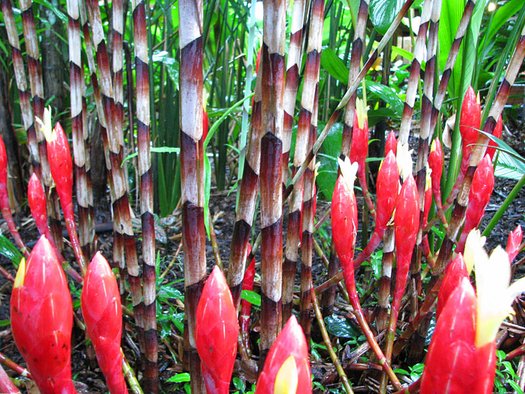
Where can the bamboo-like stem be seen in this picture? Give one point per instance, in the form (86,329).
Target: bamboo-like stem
(21,83)
(124,237)
(247,198)
(415,69)
(309,207)
(293,67)
(355,64)
(151,374)
(129,374)
(81,158)
(354,84)
(271,171)
(7,362)
(192,175)
(302,145)
(328,343)
(5,273)
(37,93)
(386,279)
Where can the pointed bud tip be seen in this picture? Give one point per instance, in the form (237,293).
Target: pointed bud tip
(20,274)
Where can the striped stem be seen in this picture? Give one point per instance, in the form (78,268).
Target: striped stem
(146,193)
(385,282)
(350,91)
(355,64)
(247,198)
(124,237)
(21,83)
(37,92)
(309,207)
(271,170)
(415,69)
(81,158)
(311,78)
(293,67)
(192,174)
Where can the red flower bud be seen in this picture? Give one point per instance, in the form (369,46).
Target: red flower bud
(42,319)
(36,199)
(406,226)
(387,187)
(514,242)
(61,166)
(479,196)
(359,148)
(450,365)
(498,132)
(391,143)
(287,366)
(435,162)
(102,313)
(469,121)
(216,333)
(454,274)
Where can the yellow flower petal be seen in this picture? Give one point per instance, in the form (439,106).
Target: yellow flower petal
(362,113)
(286,380)
(20,274)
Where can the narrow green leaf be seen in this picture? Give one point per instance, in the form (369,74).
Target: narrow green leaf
(382,13)
(9,250)
(334,65)
(182,377)
(252,297)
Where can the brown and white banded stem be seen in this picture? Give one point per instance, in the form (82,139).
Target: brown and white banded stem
(146,194)
(311,78)
(21,83)
(37,92)
(385,283)
(123,229)
(355,64)
(192,173)
(247,198)
(272,91)
(81,158)
(309,207)
(293,67)
(415,69)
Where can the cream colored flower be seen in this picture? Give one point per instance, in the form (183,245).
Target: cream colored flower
(362,112)
(494,295)
(404,160)
(348,172)
(473,248)
(46,125)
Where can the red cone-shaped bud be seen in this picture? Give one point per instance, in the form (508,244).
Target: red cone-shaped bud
(454,274)
(216,333)
(344,215)
(479,197)
(469,121)
(514,242)
(359,147)
(287,368)
(36,199)
(102,313)
(61,166)
(391,143)
(450,365)
(435,162)
(42,319)
(246,307)
(498,132)
(485,363)
(387,187)
(406,226)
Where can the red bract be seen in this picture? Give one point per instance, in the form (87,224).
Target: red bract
(4,200)
(36,199)
(485,363)
(287,366)
(451,365)
(42,319)
(387,187)
(454,274)
(102,313)
(406,226)
(498,132)
(469,124)
(514,242)
(391,143)
(246,307)
(479,197)
(435,162)
(6,386)
(216,333)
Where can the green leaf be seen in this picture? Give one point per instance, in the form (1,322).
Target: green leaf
(154,149)
(510,163)
(5,323)
(451,12)
(167,292)
(501,17)
(334,65)
(172,66)
(339,326)
(397,51)
(382,13)
(329,152)
(388,95)
(182,377)
(7,249)
(251,296)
